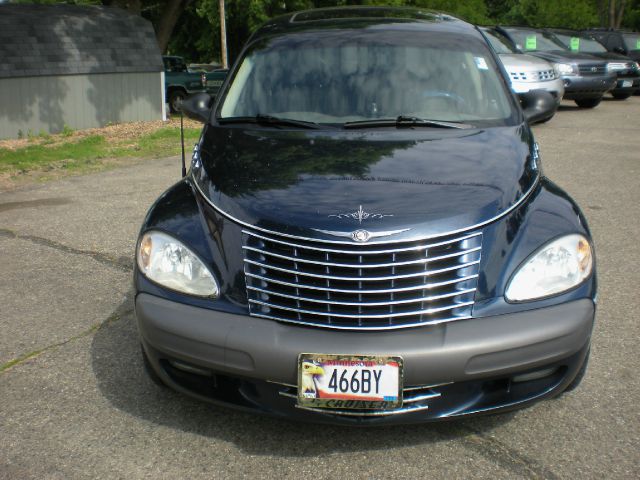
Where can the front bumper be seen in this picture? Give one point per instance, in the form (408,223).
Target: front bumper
(627,85)
(453,369)
(587,87)
(554,87)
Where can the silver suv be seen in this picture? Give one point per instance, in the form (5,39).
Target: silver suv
(526,72)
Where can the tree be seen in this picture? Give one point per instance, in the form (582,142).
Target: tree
(577,14)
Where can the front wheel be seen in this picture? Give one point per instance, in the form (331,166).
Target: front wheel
(176,97)
(588,102)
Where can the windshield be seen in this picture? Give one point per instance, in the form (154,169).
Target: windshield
(632,40)
(499,42)
(339,76)
(578,43)
(532,41)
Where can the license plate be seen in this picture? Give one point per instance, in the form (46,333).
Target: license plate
(214,83)
(627,83)
(370,382)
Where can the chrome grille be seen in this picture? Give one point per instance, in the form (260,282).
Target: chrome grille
(592,69)
(361,286)
(415,399)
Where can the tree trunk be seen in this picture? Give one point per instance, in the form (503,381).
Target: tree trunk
(612,13)
(223,35)
(618,21)
(616,11)
(170,15)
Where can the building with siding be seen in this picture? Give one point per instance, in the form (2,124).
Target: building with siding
(77,66)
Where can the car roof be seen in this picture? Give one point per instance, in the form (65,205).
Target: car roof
(358,17)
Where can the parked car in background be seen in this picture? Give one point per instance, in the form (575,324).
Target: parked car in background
(365,235)
(618,41)
(526,72)
(179,82)
(625,68)
(204,67)
(585,77)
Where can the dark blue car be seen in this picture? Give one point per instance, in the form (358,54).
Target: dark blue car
(365,235)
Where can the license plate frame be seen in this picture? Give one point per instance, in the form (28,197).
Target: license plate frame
(390,370)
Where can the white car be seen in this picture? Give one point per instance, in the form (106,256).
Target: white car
(526,72)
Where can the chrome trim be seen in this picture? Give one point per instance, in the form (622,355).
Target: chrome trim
(428,273)
(364,265)
(374,413)
(403,240)
(360,215)
(420,398)
(427,286)
(363,327)
(288,395)
(363,316)
(289,385)
(369,233)
(358,252)
(364,304)
(410,389)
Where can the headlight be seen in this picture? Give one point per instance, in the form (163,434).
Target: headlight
(558,266)
(567,68)
(616,67)
(168,262)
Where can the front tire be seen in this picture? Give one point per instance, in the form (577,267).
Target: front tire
(176,97)
(588,102)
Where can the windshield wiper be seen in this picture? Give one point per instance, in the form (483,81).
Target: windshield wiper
(270,120)
(405,121)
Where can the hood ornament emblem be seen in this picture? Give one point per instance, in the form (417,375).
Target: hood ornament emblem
(361,235)
(360,215)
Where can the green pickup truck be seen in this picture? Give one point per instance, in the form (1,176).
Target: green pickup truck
(179,82)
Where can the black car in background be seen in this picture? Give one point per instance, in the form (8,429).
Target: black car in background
(625,68)
(618,41)
(365,235)
(586,78)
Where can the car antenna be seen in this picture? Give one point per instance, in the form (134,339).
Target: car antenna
(184,167)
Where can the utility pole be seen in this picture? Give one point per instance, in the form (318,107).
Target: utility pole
(223,35)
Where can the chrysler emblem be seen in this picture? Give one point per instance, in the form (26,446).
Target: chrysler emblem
(360,235)
(360,215)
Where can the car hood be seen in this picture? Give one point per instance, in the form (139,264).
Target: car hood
(320,183)
(566,56)
(523,61)
(611,56)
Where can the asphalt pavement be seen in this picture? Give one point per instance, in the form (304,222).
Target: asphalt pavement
(75,402)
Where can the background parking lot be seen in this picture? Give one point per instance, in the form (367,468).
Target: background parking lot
(75,402)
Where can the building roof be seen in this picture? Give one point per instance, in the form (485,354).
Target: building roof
(68,39)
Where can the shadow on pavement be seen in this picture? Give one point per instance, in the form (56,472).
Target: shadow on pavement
(120,375)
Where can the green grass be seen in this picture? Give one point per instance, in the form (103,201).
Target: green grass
(90,153)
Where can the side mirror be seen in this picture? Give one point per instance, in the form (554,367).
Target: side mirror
(538,106)
(197,107)
(620,50)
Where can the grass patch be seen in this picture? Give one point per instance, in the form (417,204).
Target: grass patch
(66,152)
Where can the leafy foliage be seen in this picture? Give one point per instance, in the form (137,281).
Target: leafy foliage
(196,35)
